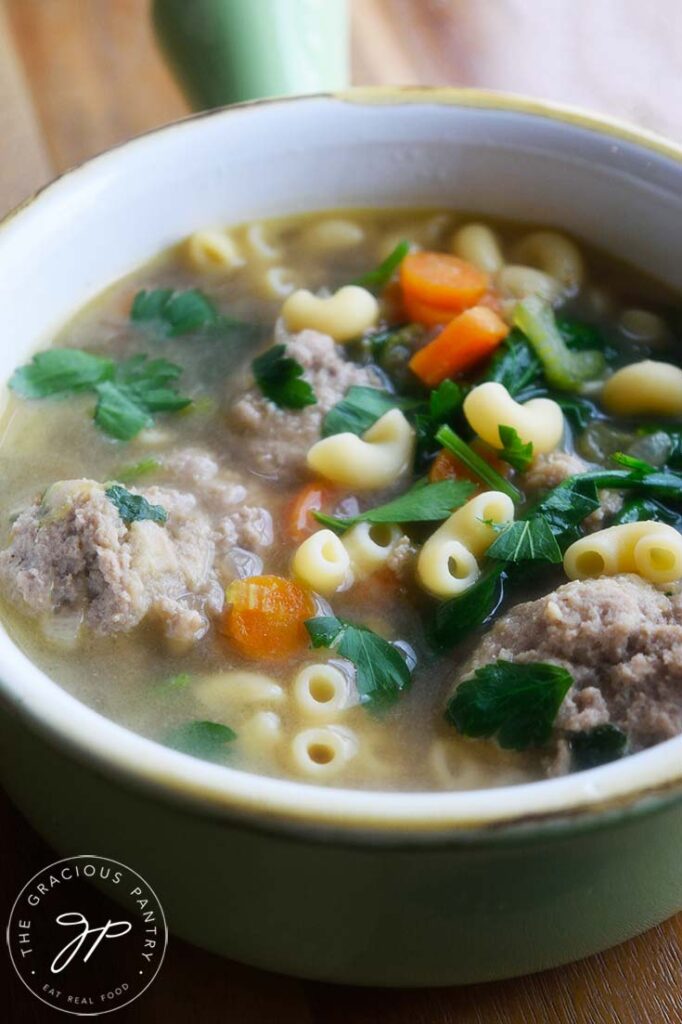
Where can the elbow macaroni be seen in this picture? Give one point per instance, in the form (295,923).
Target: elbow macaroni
(345,315)
(490,406)
(321,690)
(518,282)
(212,250)
(555,255)
(323,562)
(479,245)
(369,546)
(323,751)
(227,689)
(377,459)
(652,550)
(448,561)
(644,388)
(335,233)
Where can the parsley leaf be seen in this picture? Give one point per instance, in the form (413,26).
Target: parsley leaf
(454,620)
(596,746)
(201,738)
(445,400)
(378,278)
(279,378)
(514,451)
(60,370)
(423,503)
(133,472)
(174,313)
(381,671)
(526,540)
(517,703)
(133,507)
(140,388)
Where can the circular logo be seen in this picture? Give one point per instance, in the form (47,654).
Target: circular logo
(87,935)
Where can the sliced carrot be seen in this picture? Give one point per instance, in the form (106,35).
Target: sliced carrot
(265,616)
(439,279)
(466,340)
(300,521)
(422,313)
(447,466)
(493,300)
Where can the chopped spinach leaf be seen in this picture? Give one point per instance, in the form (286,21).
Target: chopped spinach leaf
(514,451)
(201,738)
(516,703)
(454,620)
(596,746)
(60,370)
(377,279)
(133,507)
(280,378)
(526,540)
(381,671)
(639,509)
(421,504)
(514,364)
(360,408)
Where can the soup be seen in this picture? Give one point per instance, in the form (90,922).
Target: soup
(379,499)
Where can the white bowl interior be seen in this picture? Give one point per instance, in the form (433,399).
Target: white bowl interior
(101,220)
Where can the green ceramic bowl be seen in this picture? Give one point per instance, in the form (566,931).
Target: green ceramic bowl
(371,888)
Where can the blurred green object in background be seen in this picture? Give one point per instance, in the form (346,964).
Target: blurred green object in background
(226,51)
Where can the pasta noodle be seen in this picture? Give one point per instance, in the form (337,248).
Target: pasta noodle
(646,388)
(335,233)
(448,561)
(555,255)
(345,315)
(323,751)
(226,689)
(490,406)
(321,690)
(278,282)
(259,245)
(519,282)
(643,326)
(377,459)
(323,562)
(652,550)
(369,546)
(212,250)
(479,245)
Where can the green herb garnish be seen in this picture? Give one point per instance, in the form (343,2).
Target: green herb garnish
(514,364)
(140,388)
(639,509)
(381,671)
(596,746)
(473,461)
(377,279)
(178,682)
(201,739)
(454,620)
(516,703)
(423,503)
(360,408)
(526,540)
(279,377)
(61,371)
(514,451)
(133,507)
(174,313)
(127,474)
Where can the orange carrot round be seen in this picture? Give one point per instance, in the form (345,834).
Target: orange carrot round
(265,617)
(419,312)
(466,340)
(313,497)
(442,280)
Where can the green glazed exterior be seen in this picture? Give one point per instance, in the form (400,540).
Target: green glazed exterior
(372,912)
(226,51)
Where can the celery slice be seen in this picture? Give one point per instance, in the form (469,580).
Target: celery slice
(563,369)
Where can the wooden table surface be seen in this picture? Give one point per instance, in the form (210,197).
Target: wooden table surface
(77,76)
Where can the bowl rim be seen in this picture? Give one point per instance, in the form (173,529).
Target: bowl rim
(639,783)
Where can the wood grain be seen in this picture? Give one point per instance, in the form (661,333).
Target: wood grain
(95,79)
